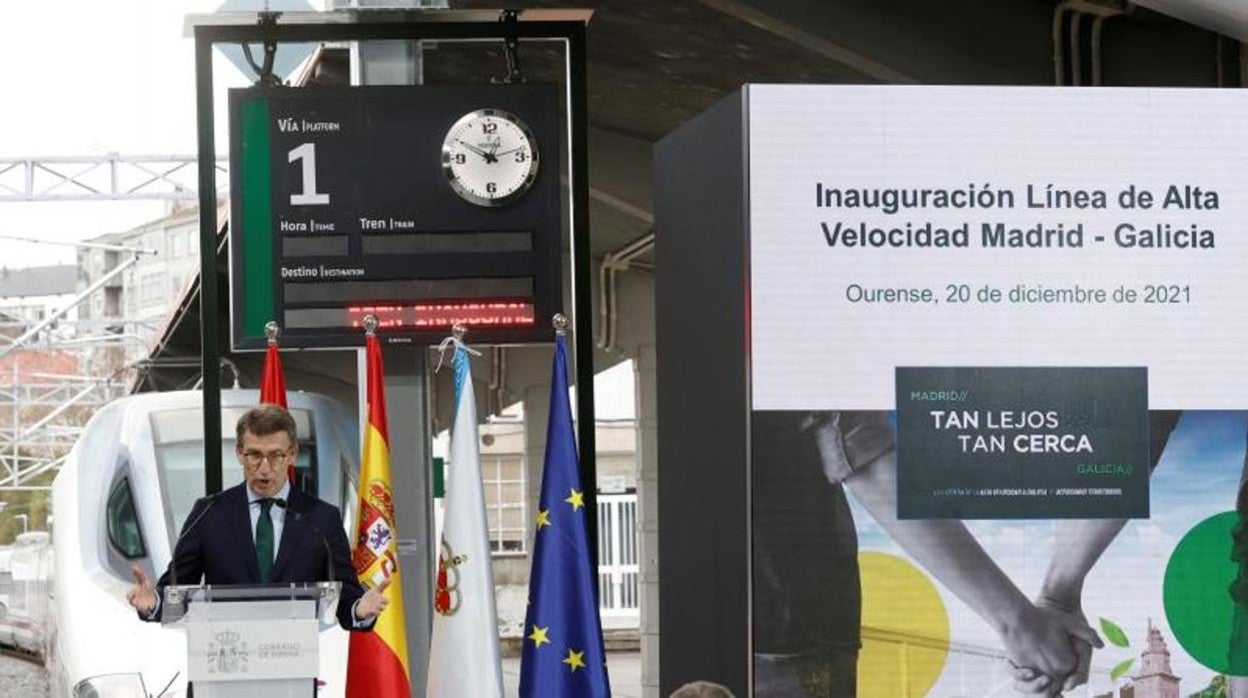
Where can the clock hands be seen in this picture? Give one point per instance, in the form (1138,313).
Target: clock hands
(489,157)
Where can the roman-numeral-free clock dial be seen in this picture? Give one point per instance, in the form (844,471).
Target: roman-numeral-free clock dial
(489,157)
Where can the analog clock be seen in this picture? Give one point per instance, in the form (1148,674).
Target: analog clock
(489,157)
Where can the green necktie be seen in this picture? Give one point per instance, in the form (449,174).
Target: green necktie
(264,540)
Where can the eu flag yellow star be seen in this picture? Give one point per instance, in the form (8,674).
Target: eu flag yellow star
(538,636)
(576,499)
(574,660)
(543,518)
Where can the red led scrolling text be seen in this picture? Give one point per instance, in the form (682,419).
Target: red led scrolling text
(430,315)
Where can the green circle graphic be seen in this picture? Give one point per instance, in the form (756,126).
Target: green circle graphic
(1196,592)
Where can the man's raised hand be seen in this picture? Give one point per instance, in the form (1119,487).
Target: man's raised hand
(373,602)
(142,596)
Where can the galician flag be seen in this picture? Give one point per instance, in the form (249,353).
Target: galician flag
(273,384)
(563,653)
(464,659)
(377,661)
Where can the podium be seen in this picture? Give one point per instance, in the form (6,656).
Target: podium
(247,641)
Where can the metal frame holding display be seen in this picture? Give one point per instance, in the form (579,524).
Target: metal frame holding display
(568,26)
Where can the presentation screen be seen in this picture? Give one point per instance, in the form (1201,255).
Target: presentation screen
(998,378)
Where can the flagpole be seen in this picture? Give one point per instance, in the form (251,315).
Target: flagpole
(586,465)
(586,462)
(273,381)
(464,654)
(563,654)
(377,662)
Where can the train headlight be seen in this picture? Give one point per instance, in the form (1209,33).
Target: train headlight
(111,686)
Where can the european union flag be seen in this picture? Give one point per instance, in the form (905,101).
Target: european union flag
(563,653)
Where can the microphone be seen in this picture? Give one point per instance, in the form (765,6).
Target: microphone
(329,555)
(173,554)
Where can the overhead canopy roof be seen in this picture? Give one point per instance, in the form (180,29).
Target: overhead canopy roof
(655,64)
(1226,17)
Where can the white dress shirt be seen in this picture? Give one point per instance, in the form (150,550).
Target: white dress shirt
(276,513)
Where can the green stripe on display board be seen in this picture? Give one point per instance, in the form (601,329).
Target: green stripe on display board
(257,230)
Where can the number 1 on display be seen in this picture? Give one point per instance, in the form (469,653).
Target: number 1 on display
(306,153)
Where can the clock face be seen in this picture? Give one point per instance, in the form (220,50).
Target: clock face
(489,157)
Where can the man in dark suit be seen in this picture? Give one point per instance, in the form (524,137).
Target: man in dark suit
(263,531)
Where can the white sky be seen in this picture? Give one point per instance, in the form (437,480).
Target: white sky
(120,77)
(88,77)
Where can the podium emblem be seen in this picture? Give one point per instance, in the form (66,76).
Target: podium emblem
(227,653)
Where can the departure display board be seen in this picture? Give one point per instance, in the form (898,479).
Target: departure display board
(426,206)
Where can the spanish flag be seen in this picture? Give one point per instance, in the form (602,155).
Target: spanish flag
(377,661)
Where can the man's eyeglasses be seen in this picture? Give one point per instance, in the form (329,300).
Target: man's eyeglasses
(255,458)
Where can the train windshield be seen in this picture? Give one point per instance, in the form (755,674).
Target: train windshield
(182,476)
(179,456)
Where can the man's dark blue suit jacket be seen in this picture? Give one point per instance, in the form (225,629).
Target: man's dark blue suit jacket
(217,547)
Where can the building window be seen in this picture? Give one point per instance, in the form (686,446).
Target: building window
(151,289)
(502,478)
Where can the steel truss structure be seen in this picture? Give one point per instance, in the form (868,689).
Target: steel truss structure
(104,177)
(41,417)
(42,413)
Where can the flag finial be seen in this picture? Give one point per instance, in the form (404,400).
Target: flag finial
(560,321)
(370,324)
(272,330)
(454,342)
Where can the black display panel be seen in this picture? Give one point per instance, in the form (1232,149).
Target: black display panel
(423,205)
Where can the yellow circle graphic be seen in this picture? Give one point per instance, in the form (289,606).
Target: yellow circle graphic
(905,629)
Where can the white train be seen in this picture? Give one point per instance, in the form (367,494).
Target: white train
(120,499)
(25,573)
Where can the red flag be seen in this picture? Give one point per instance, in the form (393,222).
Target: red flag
(377,662)
(273,389)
